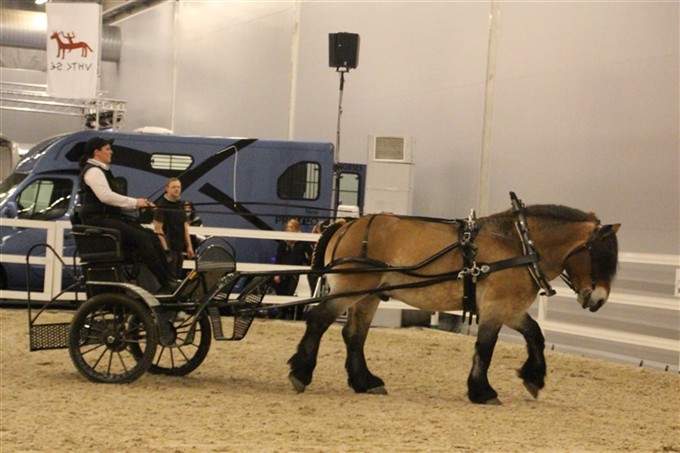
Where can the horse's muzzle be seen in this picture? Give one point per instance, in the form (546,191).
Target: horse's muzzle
(591,299)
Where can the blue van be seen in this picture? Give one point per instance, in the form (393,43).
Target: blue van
(233,182)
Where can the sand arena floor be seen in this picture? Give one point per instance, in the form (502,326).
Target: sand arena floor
(240,400)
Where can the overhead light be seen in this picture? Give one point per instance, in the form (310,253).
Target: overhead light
(40,2)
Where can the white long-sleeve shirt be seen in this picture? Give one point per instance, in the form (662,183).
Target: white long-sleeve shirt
(96,179)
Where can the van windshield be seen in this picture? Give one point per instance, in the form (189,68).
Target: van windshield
(44,199)
(8,185)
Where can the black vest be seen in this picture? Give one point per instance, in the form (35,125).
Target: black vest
(91,206)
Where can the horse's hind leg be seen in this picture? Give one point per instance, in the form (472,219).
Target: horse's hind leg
(534,369)
(303,362)
(354,333)
(479,389)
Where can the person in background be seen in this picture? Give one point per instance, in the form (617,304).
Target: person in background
(193,220)
(103,205)
(169,222)
(291,252)
(311,278)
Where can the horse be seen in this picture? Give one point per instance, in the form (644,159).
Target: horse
(431,264)
(64,46)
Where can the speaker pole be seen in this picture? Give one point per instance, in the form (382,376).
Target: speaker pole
(336,157)
(337,131)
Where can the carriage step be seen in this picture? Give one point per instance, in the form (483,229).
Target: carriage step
(49,336)
(241,325)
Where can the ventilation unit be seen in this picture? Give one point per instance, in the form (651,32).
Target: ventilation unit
(389,175)
(389,149)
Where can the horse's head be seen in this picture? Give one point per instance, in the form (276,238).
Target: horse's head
(591,267)
(54,35)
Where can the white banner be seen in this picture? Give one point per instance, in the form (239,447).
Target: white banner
(73,49)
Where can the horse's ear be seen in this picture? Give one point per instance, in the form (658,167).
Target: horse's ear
(609,229)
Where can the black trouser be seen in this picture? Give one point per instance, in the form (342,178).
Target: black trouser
(176,263)
(141,240)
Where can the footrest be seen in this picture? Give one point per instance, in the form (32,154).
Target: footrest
(216,323)
(250,297)
(241,325)
(49,336)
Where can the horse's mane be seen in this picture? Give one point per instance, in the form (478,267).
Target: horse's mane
(322,244)
(554,212)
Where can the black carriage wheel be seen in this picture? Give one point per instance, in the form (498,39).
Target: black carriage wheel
(189,348)
(104,332)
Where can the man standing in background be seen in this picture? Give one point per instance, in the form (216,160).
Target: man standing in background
(172,227)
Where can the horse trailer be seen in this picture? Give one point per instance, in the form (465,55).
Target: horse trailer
(233,183)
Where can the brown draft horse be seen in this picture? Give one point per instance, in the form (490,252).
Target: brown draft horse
(403,251)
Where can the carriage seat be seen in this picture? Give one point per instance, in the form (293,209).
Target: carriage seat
(97,244)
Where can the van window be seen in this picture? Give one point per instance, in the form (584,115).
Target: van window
(348,189)
(299,182)
(44,199)
(178,162)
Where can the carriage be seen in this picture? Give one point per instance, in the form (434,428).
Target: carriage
(491,267)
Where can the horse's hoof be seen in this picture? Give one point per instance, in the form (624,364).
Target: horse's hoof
(531,388)
(377,391)
(297,384)
(493,402)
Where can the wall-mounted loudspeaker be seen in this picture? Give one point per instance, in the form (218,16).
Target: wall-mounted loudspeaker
(343,50)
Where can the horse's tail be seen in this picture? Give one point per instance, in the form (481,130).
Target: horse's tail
(321,245)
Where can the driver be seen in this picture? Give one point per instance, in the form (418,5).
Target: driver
(103,205)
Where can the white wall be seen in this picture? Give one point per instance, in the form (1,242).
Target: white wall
(144,78)
(586,114)
(585,99)
(421,73)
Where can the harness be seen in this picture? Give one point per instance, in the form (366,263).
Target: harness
(470,273)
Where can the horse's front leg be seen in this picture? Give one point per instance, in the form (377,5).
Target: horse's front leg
(303,362)
(479,389)
(534,369)
(354,333)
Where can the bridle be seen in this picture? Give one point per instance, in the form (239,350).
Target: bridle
(518,209)
(586,246)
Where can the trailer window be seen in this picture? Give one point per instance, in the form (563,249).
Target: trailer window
(44,199)
(348,189)
(300,182)
(179,162)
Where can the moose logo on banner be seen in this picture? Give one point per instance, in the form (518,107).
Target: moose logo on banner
(73,49)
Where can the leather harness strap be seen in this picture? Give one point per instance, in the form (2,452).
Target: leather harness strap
(471,272)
